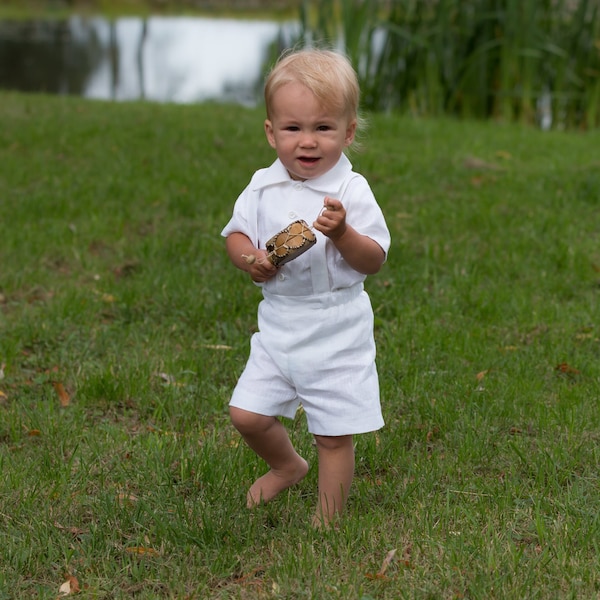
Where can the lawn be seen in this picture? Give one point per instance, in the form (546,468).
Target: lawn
(123,328)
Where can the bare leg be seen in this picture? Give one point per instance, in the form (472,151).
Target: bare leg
(269,439)
(336,472)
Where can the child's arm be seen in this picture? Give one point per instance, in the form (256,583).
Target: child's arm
(361,252)
(239,247)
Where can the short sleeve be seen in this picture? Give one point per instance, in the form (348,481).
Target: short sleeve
(363,212)
(244,217)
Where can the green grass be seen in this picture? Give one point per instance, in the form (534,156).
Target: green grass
(114,282)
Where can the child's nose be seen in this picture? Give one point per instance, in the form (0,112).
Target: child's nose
(308,140)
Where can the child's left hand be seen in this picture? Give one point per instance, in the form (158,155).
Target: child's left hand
(332,219)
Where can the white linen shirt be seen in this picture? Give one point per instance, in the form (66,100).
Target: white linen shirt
(272,200)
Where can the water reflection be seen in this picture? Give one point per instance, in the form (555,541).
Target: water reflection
(161,59)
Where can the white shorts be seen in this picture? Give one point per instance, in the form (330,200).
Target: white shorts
(317,351)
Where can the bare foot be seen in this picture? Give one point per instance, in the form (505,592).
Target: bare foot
(265,488)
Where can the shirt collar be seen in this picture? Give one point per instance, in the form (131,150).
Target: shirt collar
(328,183)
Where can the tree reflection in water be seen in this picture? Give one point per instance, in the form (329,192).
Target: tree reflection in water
(159,58)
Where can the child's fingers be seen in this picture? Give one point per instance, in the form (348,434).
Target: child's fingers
(332,204)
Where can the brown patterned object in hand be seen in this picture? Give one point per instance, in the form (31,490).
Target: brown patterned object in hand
(290,243)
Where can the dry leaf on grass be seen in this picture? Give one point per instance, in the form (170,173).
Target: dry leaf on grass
(473,162)
(384,565)
(127,269)
(168,379)
(142,550)
(74,531)
(481,180)
(481,375)
(70,586)
(254,577)
(387,561)
(567,369)
(124,498)
(63,396)
(217,346)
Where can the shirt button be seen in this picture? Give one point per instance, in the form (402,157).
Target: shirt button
(292,215)
(298,186)
(281,277)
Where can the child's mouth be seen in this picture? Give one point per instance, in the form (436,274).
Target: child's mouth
(308,160)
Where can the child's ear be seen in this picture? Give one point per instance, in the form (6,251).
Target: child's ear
(350,132)
(269,133)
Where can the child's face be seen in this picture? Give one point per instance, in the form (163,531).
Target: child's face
(308,138)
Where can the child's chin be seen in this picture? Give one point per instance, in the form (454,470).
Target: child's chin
(310,171)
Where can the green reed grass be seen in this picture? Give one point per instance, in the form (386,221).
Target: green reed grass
(509,60)
(114,282)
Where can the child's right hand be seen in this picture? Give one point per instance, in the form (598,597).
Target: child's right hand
(262,269)
(246,257)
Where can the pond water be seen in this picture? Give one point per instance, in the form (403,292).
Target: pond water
(162,59)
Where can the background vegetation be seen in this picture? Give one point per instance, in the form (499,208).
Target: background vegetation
(124,328)
(273,8)
(533,62)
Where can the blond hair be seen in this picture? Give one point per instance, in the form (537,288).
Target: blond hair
(327,74)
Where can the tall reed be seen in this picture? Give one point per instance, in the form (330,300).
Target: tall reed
(513,60)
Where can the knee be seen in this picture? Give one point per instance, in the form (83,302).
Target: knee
(248,422)
(333,443)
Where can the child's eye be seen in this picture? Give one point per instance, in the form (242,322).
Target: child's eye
(323,128)
(292,128)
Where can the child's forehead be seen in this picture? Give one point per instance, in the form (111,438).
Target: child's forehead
(328,100)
